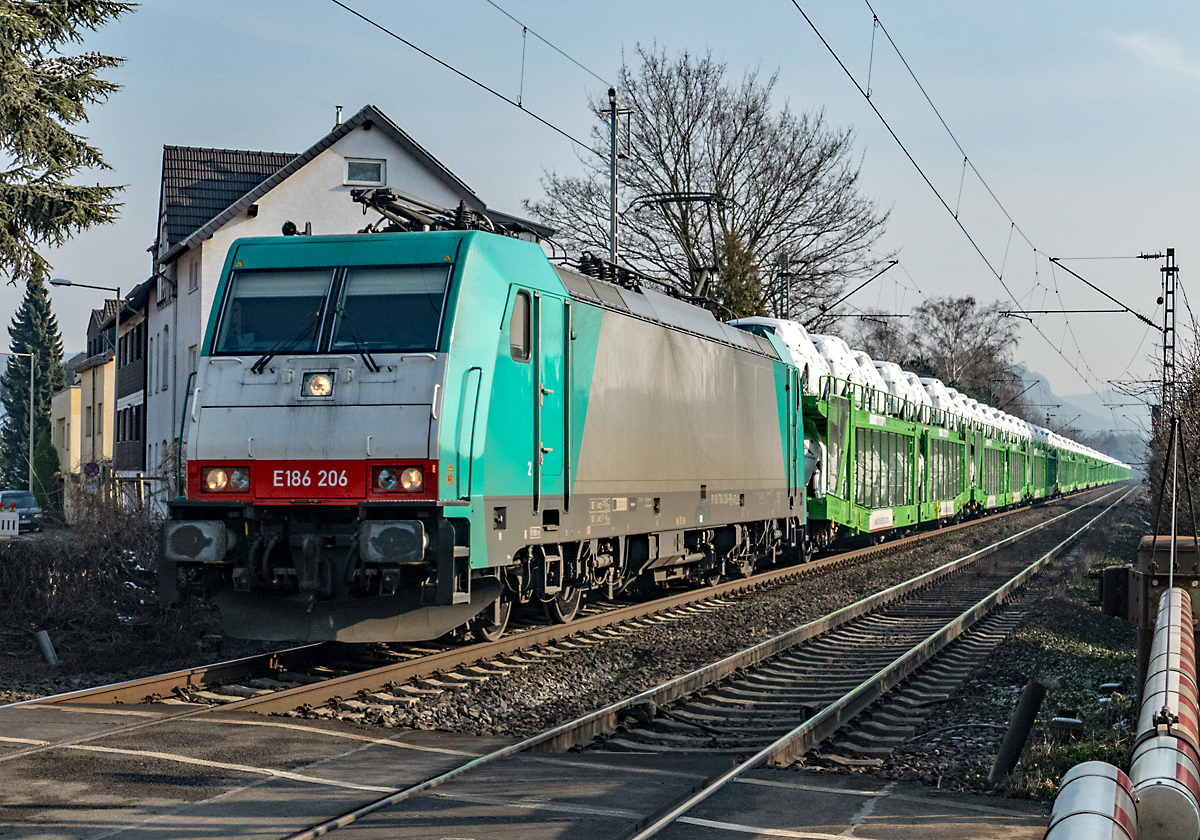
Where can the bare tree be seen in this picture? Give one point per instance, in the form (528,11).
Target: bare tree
(967,346)
(963,341)
(883,339)
(780,183)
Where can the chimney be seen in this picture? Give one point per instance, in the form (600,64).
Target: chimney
(338,120)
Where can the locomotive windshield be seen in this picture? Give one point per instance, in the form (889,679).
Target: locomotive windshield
(391,309)
(380,309)
(266,310)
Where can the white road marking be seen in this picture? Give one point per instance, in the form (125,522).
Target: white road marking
(162,817)
(346,735)
(764,832)
(904,797)
(867,809)
(23,741)
(221,765)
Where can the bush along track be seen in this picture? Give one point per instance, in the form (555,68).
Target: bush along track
(91,587)
(1086,661)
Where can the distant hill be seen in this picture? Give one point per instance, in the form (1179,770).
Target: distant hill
(1089,419)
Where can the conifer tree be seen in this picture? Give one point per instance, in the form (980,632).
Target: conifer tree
(46,474)
(34,329)
(42,94)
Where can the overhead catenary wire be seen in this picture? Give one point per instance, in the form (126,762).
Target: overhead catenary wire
(937,193)
(525,27)
(966,161)
(966,158)
(464,75)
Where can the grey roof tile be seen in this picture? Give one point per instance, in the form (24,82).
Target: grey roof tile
(197,184)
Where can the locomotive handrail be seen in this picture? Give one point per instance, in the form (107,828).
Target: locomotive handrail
(187,393)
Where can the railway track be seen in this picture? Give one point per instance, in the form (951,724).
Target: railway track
(313,675)
(774,702)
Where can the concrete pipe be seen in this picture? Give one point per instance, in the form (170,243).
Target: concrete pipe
(1164,774)
(1096,801)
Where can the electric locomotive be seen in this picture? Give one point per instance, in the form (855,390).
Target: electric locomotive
(394,434)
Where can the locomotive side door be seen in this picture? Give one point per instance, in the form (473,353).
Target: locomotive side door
(795,434)
(550,395)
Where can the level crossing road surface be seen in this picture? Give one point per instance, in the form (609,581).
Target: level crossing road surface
(245,775)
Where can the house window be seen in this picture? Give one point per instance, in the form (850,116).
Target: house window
(192,359)
(194,276)
(165,344)
(366,172)
(87,421)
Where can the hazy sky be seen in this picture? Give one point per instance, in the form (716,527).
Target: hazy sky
(1080,116)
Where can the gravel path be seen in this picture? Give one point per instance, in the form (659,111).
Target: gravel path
(543,695)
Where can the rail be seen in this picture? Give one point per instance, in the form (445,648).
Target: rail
(140,690)
(585,727)
(810,733)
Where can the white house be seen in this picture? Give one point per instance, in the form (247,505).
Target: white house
(210,197)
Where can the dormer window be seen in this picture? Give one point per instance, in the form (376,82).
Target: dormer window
(364,172)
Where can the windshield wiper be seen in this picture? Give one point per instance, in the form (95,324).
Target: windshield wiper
(364,351)
(285,346)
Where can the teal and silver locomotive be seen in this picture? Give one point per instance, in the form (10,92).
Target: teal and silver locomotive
(393,435)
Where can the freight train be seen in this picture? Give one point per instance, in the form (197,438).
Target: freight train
(393,435)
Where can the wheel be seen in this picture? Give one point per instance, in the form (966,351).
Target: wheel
(561,609)
(490,624)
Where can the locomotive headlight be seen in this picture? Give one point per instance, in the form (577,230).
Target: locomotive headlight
(386,479)
(412,479)
(216,480)
(317,385)
(239,480)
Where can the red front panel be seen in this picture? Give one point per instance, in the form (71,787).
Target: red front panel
(310,479)
(328,482)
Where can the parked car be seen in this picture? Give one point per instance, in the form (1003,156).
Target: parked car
(26,505)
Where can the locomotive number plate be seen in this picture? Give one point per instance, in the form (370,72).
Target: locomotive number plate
(310,479)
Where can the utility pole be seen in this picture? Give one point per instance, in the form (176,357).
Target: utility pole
(785,286)
(58,281)
(613,116)
(614,181)
(1170,272)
